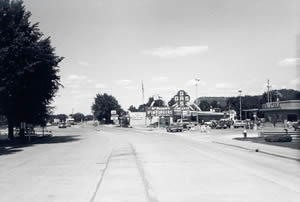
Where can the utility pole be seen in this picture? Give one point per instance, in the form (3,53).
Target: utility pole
(269,97)
(196,82)
(143,97)
(240,91)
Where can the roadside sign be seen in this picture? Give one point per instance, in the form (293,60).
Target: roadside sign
(186,113)
(181,108)
(181,98)
(159,111)
(113,112)
(137,115)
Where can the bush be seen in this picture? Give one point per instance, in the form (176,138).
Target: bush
(278,138)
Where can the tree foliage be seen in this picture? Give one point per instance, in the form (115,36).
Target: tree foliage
(282,94)
(132,108)
(28,67)
(61,117)
(143,107)
(78,117)
(156,103)
(102,106)
(204,105)
(214,104)
(88,117)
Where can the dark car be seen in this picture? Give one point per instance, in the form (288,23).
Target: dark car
(175,128)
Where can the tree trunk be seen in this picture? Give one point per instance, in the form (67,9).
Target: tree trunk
(10,130)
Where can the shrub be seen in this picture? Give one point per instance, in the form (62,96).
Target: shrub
(278,138)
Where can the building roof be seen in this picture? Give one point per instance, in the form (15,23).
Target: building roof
(278,106)
(251,110)
(282,105)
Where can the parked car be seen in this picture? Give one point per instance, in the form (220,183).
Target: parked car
(211,123)
(186,124)
(239,124)
(62,125)
(175,128)
(221,125)
(296,125)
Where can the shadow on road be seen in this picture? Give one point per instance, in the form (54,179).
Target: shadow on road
(8,147)
(6,151)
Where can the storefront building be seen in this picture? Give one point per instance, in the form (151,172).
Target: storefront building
(282,111)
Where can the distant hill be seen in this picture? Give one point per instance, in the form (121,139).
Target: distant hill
(287,94)
(222,101)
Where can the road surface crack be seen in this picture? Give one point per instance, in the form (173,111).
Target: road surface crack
(148,190)
(101,178)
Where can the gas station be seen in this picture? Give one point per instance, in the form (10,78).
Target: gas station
(182,109)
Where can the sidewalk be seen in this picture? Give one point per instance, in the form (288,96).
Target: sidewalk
(274,150)
(227,137)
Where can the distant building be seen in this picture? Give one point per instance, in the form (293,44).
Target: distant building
(56,120)
(182,108)
(70,120)
(281,111)
(277,112)
(230,114)
(137,118)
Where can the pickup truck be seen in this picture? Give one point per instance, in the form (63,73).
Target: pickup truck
(175,128)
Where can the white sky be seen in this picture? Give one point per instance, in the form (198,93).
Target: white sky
(111,45)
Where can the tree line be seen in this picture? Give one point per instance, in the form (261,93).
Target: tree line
(227,103)
(78,117)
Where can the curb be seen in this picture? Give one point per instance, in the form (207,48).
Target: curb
(256,150)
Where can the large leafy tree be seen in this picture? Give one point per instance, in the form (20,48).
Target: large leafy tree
(102,106)
(28,67)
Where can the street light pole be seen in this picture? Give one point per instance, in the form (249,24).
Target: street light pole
(240,91)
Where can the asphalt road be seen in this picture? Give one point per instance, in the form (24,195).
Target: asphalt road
(115,164)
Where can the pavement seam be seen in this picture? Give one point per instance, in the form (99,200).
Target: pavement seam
(147,186)
(101,178)
(264,152)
